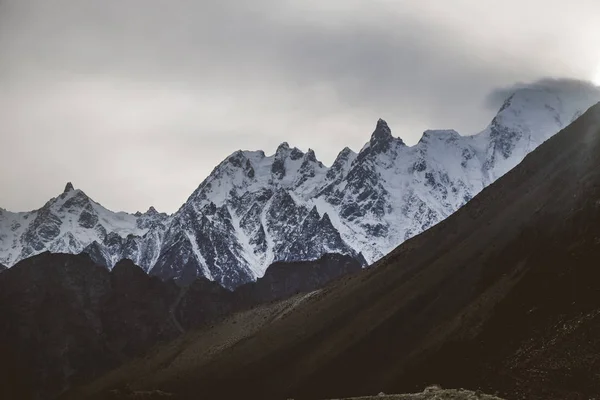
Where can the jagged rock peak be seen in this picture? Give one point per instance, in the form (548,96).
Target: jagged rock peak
(346,151)
(310,155)
(382,131)
(344,156)
(296,154)
(381,140)
(282,147)
(69,187)
(152,211)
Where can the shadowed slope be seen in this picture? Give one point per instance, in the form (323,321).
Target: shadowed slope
(503,295)
(66,320)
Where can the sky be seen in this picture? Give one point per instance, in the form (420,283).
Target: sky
(136,101)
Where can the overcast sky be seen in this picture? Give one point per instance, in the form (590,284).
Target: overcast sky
(135,101)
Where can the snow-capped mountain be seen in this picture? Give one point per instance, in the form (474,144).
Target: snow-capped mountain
(256,209)
(73,223)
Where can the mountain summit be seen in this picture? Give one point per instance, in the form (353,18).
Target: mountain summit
(74,223)
(68,187)
(255,209)
(382,132)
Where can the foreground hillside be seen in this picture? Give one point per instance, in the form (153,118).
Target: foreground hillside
(502,296)
(66,320)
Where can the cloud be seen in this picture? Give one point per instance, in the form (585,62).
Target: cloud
(567,86)
(136,101)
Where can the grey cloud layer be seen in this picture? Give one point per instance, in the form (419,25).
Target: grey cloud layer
(136,101)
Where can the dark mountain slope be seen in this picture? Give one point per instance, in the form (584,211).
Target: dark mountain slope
(282,279)
(2,268)
(66,319)
(503,295)
(205,301)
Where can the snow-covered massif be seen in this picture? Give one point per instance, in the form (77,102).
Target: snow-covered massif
(73,223)
(255,209)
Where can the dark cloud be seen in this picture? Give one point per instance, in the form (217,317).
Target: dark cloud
(137,100)
(497,96)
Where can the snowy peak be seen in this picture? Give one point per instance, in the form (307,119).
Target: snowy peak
(250,172)
(340,167)
(381,141)
(287,162)
(382,131)
(151,211)
(526,119)
(439,134)
(68,187)
(344,155)
(310,156)
(537,111)
(282,148)
(72,223)
(284,152)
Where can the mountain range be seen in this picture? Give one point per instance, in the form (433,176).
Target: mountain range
(500,297)
(255,209)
